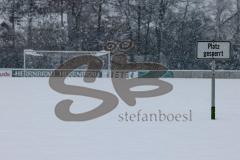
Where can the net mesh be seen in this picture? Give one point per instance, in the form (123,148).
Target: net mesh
(53,59)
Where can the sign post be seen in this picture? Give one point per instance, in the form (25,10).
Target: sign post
(213,112)
(213,50)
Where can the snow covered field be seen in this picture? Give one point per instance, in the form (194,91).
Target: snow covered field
(29,129)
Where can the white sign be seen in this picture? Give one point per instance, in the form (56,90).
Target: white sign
(213,50)
(5,73)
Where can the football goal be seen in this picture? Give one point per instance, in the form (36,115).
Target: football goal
(44,60)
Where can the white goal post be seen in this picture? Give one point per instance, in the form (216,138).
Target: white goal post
(58,56)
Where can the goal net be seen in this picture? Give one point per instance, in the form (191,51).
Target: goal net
(44,62)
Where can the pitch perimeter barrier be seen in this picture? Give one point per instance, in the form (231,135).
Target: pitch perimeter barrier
(49,72)
(221,74)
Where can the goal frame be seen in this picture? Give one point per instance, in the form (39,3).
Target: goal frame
(108,53)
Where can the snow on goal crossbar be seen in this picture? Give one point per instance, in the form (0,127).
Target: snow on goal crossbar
(51,60)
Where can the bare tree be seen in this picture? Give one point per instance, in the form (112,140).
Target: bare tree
(161,10)
(149,19)
(30,19)
(238,18)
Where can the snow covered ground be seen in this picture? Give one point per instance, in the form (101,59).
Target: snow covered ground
(29,129)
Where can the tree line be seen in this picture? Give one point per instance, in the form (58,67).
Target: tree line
(163,31)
